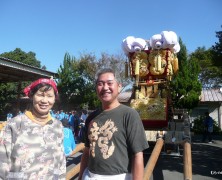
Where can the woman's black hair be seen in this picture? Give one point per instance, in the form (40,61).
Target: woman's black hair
(37,87)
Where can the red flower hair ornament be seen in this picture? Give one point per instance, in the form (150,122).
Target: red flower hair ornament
(50,82)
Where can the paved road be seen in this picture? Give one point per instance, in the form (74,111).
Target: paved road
(206,161)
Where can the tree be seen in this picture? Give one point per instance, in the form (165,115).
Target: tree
(217,49)
(44,67)
(207,69)
(76,81)
(210,61)
(117,63)
(65,82)
(9,91)
(23,57)
(217,58)
(185,88)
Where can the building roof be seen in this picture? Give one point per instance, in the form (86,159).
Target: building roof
(14,71)
(211,95)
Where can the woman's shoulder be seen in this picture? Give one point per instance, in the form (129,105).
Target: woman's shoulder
(16,122)
(18,118)
(56,121)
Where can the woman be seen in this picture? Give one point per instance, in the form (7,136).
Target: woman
(32,145)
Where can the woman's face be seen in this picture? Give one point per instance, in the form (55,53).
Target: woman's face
(43,101)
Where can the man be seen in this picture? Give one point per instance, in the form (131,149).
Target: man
(208,128)
(84,116)
(61,115)
(72,120)
(115,136)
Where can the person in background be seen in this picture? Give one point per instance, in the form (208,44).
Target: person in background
(69,141)
(66,116)
(57,115)
(9,116)
(81,132)
(32,143)
(115,136)
(83,116)
(72,120)
(208,128)
(61,115)
(52,113)
(20,112)
(76,124)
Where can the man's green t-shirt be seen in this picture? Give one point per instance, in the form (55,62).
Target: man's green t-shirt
(114,137)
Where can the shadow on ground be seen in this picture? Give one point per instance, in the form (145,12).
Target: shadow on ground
(206,161)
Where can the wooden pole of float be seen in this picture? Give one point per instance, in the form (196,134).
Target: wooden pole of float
(153,159)
(70,174)
(75,170)
(187,156)
(187,160)
(78,148)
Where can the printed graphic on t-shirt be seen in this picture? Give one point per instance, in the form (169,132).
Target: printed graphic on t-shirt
(101,135)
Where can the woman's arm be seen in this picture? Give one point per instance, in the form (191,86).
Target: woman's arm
(5,151)
(62,158)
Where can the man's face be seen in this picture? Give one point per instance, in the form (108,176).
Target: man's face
(107,88)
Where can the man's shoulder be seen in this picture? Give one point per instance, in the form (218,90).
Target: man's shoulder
(209,118)
(127,109)
(125,106)
(94,113)
(91,116)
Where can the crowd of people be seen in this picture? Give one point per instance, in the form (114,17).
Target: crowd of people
(36,143)
(76,120)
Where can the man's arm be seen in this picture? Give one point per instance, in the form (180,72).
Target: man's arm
(84,162)
(137,166)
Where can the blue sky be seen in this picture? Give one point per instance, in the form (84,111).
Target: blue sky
(50,28)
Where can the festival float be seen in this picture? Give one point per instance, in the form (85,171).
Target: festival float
(152,64)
